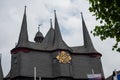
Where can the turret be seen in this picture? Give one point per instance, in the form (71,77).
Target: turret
(23,37)
(87,40)
(39,36)
(58,41)
(48,41)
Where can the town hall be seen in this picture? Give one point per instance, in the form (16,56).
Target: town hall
(50,58)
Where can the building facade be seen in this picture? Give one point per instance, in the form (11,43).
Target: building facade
(52,57)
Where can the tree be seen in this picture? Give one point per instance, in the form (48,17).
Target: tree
(108,13)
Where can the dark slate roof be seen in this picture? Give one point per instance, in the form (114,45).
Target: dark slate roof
(79,49)
(1,72)
(88,45)
(38,37)
(23,37)
(48,42)
(39,34)
(58,41)
(53,40)
(87,40)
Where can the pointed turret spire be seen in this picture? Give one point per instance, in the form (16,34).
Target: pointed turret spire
(57,30)
(48,41)
(23,37)
(58,41)
(1,72)
(87,40)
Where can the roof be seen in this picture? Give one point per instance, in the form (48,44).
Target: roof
(23,37)
(58,41)
(38,37)
(53,40)
(87,40)
(38,34)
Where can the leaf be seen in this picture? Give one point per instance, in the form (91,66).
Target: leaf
(108,12)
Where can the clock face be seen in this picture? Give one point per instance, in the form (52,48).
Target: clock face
(63,57)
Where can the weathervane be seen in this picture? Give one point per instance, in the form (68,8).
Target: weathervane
(39,27)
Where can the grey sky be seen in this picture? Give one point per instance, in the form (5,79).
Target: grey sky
(40,12)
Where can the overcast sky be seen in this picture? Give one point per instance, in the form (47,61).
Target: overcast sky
(40,12)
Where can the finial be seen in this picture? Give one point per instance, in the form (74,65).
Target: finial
(55,12)
(81,15)
(39,27)
(25,8)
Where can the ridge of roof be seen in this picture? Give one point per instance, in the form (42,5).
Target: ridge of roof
(53,39)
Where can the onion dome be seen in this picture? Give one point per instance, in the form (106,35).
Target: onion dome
(39,36)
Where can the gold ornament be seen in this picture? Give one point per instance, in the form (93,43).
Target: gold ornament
(63,57)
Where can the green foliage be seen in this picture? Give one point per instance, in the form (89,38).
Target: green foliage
(108,13)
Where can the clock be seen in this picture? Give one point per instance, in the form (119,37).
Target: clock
(63,57)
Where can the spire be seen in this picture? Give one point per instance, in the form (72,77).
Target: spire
(23,37)
(39,36)
(1,72)
(48,41)
(87,40)
(57,30)
(58,41)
